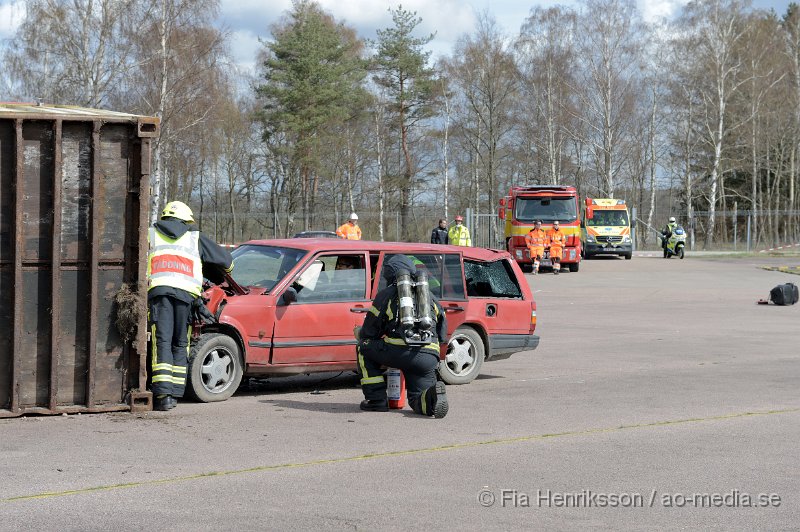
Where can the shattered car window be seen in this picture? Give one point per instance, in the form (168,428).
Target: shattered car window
(263,266)
(491,279)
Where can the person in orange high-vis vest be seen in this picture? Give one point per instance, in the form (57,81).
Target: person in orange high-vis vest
(536,240)
(557,240)
(350,229)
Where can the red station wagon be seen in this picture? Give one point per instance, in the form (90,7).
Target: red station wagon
(292,305)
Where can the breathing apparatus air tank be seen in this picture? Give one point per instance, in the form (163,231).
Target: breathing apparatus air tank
(414,314)
(405,294)
(423,305)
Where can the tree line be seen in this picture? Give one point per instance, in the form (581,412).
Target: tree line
(705,106)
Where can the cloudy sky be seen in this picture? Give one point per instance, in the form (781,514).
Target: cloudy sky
(249,20)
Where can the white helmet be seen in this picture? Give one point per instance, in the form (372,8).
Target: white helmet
(671,219)
(353,216)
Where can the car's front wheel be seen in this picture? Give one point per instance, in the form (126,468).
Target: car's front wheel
(215,368)
(465,354)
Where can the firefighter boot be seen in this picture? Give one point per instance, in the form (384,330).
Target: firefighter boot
(164,402)
(375,405)
(435,399)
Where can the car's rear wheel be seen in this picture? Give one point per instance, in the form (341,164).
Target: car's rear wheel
(215,368)
(465,354)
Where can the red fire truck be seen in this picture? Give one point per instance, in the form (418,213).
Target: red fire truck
(526,204)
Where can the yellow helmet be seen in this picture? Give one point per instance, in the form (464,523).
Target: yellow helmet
(179,210)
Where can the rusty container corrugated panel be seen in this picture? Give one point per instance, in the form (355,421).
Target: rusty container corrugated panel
(74,200)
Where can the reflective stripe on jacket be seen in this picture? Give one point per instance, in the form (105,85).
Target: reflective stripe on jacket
(557,238)
(459,236)
(349,231)
(175,262)
(536,238)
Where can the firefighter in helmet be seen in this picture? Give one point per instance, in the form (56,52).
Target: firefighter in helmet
(536,240)
(557,240)
(350,229)
(383,342)
(459,234)
(178,260)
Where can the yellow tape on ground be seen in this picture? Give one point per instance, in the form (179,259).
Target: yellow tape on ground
(390,454)
(783,269)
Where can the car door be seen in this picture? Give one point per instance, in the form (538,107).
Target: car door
(495,297)
(318,327)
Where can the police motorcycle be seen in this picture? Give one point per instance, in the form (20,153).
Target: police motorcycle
(675,243)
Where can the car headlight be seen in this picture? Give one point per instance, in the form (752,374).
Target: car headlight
(590,238)
(519,254)
(626,239)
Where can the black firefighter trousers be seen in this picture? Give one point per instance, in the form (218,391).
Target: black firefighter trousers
(417,364)
(169,338)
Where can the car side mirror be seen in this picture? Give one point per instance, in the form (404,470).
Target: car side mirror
(288,297)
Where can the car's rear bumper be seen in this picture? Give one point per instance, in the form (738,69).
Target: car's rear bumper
(504,345)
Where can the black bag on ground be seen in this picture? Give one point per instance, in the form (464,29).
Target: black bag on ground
(784,294)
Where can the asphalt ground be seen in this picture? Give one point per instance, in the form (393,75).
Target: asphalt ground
(661,397)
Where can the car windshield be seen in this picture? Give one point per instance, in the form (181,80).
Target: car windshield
(601,218)
(263,266)
(546,209)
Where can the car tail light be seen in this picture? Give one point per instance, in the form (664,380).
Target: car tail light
(533,320)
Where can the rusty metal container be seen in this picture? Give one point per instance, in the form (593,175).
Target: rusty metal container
(74,203)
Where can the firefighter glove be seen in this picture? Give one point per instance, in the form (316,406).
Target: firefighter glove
(200,312)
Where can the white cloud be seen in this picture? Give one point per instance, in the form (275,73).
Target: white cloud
(447,18)
(11,16)
(244,47)
(653,10)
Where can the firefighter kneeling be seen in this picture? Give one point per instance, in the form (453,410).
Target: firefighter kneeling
(403,329)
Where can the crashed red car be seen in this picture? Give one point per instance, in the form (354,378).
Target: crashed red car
(291,306)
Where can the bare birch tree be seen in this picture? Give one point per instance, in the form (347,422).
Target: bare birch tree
(71,52)
(545,53)
(608,64)
(716,29)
